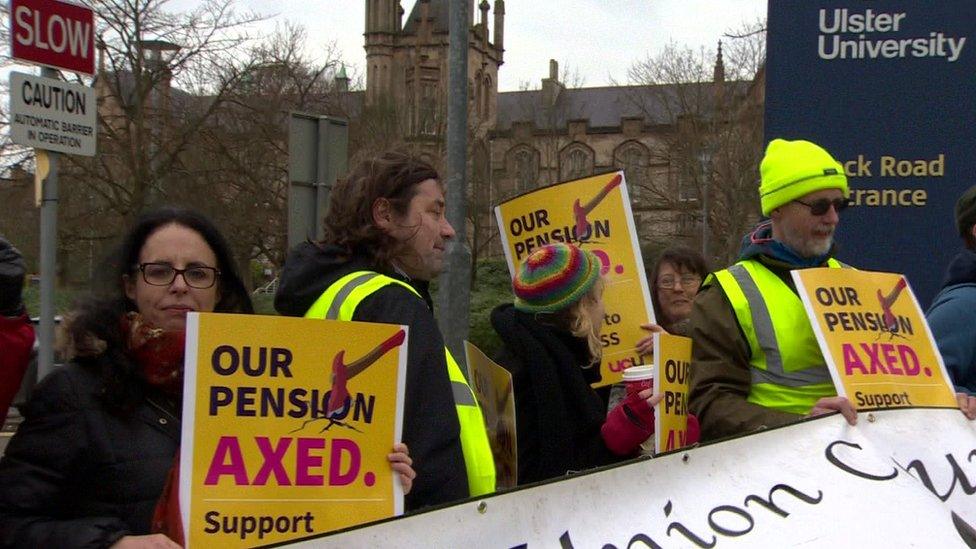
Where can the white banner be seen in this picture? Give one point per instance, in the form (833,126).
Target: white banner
(900,478)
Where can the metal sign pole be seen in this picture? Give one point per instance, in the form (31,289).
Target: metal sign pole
(49,248)
(454,291)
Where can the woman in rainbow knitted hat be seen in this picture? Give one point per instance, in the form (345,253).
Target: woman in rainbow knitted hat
(552,348)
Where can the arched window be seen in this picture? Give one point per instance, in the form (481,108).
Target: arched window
(477,95)
(576,162)
(522,165)
(486,98)
(428,110)
(525,171)
(632,157)
(411,107)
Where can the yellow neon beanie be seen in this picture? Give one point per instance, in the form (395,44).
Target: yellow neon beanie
(793,169)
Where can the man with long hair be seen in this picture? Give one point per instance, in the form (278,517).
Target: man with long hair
(385,235)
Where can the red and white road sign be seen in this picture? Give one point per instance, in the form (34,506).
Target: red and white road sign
(52,33)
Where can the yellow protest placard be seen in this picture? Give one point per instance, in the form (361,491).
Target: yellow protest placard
(874,339)
(287,423)
(493,388)
(593,213)
(672,358)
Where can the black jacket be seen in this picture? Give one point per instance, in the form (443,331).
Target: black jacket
(77,474)
(558,415)
(430,424)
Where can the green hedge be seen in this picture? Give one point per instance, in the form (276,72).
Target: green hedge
(64,299)
(492,288)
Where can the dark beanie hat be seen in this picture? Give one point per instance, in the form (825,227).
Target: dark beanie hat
(966,211)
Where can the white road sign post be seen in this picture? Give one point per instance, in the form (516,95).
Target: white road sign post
(51,115)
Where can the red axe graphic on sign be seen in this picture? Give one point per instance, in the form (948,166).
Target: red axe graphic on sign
(887,316)
(583,227)
(342,373)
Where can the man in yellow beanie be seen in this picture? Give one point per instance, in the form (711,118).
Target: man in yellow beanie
(756,362)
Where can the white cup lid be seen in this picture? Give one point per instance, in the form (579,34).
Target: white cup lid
(639,373)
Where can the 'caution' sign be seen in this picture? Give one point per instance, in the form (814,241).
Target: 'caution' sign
(52,114)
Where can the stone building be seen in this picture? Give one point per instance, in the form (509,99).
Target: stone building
(407,63)
(664,136)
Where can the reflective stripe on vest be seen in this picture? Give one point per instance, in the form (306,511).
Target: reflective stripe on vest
(339,302)
(787,368)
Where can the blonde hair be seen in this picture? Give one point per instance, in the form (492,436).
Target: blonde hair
(578,320)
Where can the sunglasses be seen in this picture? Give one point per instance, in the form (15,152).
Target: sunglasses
(822,206)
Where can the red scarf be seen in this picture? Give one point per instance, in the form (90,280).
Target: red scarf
(159,355)
(166,516)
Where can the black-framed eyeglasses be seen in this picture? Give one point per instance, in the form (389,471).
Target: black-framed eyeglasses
(822,206)
(163,274)
(686,281)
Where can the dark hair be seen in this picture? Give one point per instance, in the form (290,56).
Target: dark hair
(682,258)
(100,317)
(393,175)
(965,211)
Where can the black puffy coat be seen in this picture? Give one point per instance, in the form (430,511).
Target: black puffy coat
(558,415)
(78,474)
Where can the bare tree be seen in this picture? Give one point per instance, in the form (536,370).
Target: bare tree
(13,158)
(745,50)
(552,111)
(713,143)
(165,75)
(162,76)
(242,152)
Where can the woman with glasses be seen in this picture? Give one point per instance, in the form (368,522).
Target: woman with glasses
(674,279)
(88,466)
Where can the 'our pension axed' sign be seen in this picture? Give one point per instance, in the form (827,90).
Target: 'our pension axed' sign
(286,427)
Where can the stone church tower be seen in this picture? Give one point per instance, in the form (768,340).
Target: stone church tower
(407,63)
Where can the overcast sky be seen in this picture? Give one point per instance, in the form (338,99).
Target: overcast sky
(596,39)
(599,39)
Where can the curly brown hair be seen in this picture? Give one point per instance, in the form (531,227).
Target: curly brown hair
(393,175)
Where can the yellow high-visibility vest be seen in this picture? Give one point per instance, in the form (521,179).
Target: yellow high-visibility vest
(788,370)
(339,302)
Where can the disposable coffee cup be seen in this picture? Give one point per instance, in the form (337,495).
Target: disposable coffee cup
(638,378)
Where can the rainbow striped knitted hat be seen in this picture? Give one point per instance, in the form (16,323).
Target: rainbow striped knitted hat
(554,277)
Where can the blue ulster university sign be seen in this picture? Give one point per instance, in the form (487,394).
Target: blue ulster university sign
(889,88)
